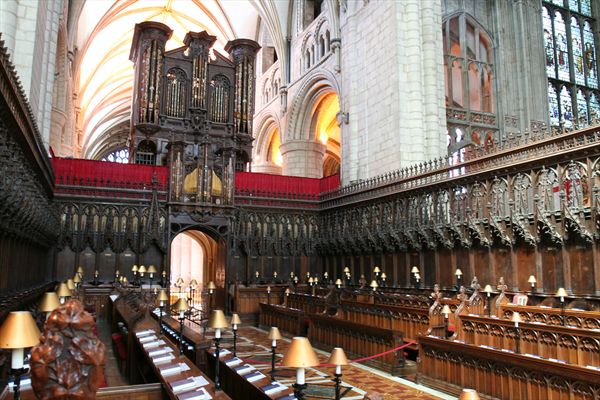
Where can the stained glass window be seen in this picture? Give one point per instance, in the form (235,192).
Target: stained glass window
(119,156)
(571,68)
(553,105)
(549,45)
(594,107)
(590,55)
(576,46)
(582,113)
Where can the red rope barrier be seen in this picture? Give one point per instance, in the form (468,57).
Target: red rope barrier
(251,361)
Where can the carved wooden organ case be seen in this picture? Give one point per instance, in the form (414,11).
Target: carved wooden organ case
(192,109)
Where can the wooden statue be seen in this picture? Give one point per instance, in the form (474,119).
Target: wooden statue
(68,362)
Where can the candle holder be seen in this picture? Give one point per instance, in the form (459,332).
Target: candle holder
(300,355)
(163,299)
(488,299)
(181,307)
(217,322)
(562,293)
(18,332)
(235,323)
(274,335)
(211,291)
(338,358)
(446,312)
(516,318)
(151,271)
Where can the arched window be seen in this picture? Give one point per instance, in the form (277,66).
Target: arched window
(119,156)
(468,72)
(571,64)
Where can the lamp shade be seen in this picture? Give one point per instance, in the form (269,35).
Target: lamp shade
(181,305)
(19,331)
(70,284)
(63,290)
(561,292)
(134,268)
(414,270)
(80,270)
(193,284)
(211,285)
(458,272)
(488,289)
(311,280)
(142,269)
(49,302)
(338,281)
(300,354)
(274,333)
(469,394)
(235,319)
(76,279)
(338,357)
(152,269)
(374,284)
(446,309)
(217,320)
(163,296)
(125,281)
(180,281)
(532,279)
(346,270)
(376,270)
(383,275)
(287,291)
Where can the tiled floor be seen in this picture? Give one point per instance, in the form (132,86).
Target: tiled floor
(253,345)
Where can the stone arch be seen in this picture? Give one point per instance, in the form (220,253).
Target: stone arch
(262,162)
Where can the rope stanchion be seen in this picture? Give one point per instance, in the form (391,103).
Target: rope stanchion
(251,361)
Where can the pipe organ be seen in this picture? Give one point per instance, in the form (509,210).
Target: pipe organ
(194,106)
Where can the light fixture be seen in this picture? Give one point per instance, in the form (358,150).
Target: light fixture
(383,278)
(151,271)
(80,271)
(374,285)
(446,311)
(338,283)
(163,300)
(117,274)
(63,292)
(235,323)
(18,332)
(274,335)
(458,273)
(300,355)
(48,303)
(326,276)
(211,290)
(562,293)
(346,270)
(134,269)
(77,280)
(142,270)
(70,284)
(415,270)
(516,318)
(181,306)
(338,358)
(532,281)
(311,281)
(217,322)
(469,394)
(488,291)
(376,271)
(125,281)
(417,280)
(193,286)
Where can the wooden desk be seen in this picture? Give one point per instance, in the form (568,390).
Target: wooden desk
(287,319)
(193,371)
(152,391)
(238,387)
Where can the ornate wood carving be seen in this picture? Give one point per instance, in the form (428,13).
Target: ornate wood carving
(68,363)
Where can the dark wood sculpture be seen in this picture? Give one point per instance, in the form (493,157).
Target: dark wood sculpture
(68,362)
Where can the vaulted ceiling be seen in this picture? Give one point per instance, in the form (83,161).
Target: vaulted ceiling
(102,31)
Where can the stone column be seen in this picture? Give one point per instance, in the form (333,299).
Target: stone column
(302,158)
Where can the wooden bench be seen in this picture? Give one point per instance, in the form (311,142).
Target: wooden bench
(450,366)
(286,319)
(357,340)
(552,316)
(572,345)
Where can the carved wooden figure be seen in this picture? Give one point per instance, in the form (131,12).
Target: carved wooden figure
(68,362)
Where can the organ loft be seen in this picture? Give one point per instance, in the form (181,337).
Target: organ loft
(299,199)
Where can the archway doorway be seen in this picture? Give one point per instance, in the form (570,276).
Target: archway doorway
(195,260)
(326,129)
